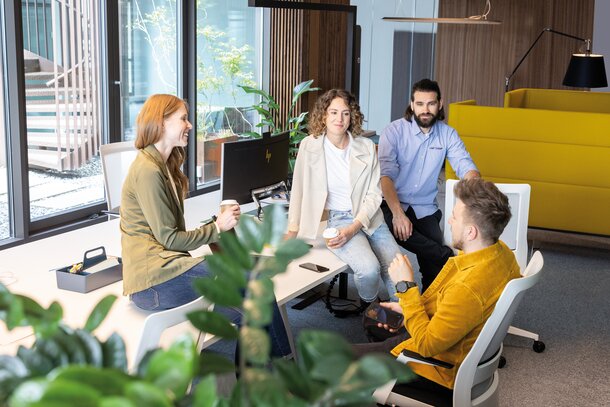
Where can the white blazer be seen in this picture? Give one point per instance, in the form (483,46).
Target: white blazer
(310,186)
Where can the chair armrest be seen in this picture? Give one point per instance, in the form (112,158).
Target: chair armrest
(410,356)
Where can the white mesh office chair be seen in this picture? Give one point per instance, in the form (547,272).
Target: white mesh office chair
(514,235)
(116,159)
(476,382)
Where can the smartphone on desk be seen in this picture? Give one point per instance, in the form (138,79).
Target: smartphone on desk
(375,313)
(314,267)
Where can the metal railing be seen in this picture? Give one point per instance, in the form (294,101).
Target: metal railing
(72,30)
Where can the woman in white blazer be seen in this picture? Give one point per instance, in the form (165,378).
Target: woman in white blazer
(336,176)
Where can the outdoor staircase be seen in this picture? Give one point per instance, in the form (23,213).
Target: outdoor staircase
(58,127)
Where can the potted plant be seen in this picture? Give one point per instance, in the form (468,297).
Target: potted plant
(294,124)
(69,366)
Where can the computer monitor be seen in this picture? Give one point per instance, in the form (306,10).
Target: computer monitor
(253,164)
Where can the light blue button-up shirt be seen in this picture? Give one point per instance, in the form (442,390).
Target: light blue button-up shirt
(413,161)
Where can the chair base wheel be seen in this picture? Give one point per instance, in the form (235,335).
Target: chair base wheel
(501,362)
(538,346)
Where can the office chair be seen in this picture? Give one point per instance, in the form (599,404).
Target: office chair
(514,235)
(476,382)
(156,323)
(116,159)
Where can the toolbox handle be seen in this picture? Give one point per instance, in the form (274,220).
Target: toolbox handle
(91,259)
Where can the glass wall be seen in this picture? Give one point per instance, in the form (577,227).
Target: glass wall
(5,220)
(61,69)
(228,51)
(148,55)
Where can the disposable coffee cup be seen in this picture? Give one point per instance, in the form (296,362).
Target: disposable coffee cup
(330,233)
(226,204)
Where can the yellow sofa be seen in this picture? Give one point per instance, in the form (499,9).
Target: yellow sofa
(557,141)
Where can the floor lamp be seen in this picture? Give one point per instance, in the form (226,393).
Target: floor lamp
(584,71)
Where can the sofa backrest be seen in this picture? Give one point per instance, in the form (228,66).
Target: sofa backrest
(563,100)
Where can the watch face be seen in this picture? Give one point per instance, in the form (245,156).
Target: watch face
(403,286)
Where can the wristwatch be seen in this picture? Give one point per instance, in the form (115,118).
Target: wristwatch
(403,286)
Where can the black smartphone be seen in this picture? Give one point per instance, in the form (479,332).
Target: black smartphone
(314,267)
(383,315)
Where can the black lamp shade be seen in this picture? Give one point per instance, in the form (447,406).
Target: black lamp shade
(586,71)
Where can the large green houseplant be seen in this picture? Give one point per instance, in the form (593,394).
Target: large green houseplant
(69,366)
(294,124)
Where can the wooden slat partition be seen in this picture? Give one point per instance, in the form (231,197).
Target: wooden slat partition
(473,60)
(306,45)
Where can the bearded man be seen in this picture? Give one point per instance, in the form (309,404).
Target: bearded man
(412,151)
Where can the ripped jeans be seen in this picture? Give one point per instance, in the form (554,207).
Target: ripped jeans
(368,256)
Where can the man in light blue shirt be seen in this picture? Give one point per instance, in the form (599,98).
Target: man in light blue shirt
(412,151)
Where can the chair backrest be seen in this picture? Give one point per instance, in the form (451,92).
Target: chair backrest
(474,369)
(515,233)
(116,159)
(157,322)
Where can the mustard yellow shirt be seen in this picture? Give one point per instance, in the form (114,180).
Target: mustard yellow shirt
(446,319)
(154,240)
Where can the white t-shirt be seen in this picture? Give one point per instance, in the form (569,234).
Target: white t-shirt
(337,175)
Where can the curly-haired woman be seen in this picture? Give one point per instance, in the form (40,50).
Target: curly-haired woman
(337,176)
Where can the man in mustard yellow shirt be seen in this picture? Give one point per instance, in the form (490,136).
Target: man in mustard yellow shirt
(446,319)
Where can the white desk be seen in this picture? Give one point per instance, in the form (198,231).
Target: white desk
(31,262)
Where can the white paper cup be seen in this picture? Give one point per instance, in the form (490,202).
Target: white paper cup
(330,233)
(226,204)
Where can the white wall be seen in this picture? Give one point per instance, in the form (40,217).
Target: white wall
(376,51)
(601,35)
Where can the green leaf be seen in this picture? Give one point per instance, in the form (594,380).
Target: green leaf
(28,393)
(258,313)
(301,88)
(114,353)
(146,394)
(99,312)
(72,393)
(264,390)
(252,134)
(205,393)
(233,248)
(115,401)
(212,363)
(251,90)
(314,346)
(53,351)
(249,233)
(92,347)
(214,323)
(225,267)
(219,291)
(274,224)
(105,381)
(70,345)
(173,369)
(291,249)
(255,345)
(296,381)
(261,289)
(37,363)
(16,314)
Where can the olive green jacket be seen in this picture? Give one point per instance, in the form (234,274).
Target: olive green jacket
(154,241)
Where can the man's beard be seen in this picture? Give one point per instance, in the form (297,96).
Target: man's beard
(428,125)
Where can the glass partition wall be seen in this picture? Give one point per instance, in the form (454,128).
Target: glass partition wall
(75,75)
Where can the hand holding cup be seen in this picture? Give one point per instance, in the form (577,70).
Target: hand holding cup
(229,215)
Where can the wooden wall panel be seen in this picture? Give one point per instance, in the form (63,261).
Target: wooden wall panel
(306,45)
(473,60)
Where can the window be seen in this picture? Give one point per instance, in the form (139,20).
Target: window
(228,51)
(148,44)
(5,220)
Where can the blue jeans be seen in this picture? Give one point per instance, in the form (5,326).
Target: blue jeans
(179,291)
(368,256)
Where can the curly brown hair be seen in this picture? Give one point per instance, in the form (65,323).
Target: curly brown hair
(317,122)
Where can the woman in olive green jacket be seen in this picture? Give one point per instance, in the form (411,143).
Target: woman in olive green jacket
(157,268)
(158,271)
